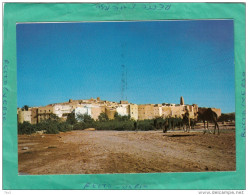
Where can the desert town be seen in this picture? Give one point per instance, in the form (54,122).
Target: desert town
(94,107)
(83,151)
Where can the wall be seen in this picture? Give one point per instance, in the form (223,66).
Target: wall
(44,112)
(62,111)
(122,109)
(110,112)
(133,111)
(34,115)
(82,111)
(95,112)
(217,111)
(24,115)
(145,111)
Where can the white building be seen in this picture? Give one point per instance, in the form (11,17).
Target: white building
(86,109)
(123,109)
(62,111)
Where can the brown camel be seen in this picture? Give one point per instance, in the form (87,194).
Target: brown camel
(210,116)
(186,121)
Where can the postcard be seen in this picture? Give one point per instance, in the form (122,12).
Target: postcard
(125,98)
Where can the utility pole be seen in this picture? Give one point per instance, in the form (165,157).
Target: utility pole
(123,82)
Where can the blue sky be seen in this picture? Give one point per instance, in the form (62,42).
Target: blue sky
(164,60)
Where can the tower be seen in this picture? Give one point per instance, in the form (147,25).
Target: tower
(181,101)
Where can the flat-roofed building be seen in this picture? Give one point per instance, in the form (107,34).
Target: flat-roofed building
(157,110)
(166,111)
(82,111)
(34,115)
(96,110)
(110,112)
(94,107)
(217,111)
(63,110)
(44,112)
(133,109)
(24,115)
(123,109)
(145,111)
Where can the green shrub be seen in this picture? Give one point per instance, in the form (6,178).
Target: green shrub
(103,117)
(64,126)
(71,119)
(25,128)
(80,126)
(145,125)
(120,123)
(52,128)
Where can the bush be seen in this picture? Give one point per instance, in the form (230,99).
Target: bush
(25,128)
(52,128)
(64,126)
(71,119)
(79,126)
(103,117)
(146,125)
(120,123)
(118,117)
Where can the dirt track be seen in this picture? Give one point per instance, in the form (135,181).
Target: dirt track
(89,152)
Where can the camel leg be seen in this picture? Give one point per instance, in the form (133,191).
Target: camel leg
(218,128)
(208,128)
(204,127)
(214,126)
(189,125)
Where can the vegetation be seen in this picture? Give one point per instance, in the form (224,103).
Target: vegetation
(227,117)
(25,108)
(54,125)
(25,128)
(103,117)
(71,119)
(51,126)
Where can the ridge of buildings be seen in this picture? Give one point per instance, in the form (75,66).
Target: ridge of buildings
(94,107)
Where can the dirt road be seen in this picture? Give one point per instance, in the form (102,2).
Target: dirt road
(89,152)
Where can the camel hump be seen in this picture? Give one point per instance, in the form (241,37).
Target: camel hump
(213,112)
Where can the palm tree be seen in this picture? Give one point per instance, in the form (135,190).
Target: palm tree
(25,107)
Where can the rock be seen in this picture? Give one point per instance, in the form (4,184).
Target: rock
(90,129)
(51,147)
(25,148)
(40,132)
(206,168)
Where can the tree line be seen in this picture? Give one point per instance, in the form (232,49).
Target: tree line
(54,125)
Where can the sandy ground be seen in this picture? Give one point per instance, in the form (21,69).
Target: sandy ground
(90,152)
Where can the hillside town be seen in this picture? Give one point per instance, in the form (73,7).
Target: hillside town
(94,107)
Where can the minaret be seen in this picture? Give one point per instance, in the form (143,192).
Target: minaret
(181,101)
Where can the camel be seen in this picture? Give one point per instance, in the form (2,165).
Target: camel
(210,116)
(166,125)
(186,122)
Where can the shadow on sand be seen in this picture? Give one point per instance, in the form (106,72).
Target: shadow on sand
(179,135)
